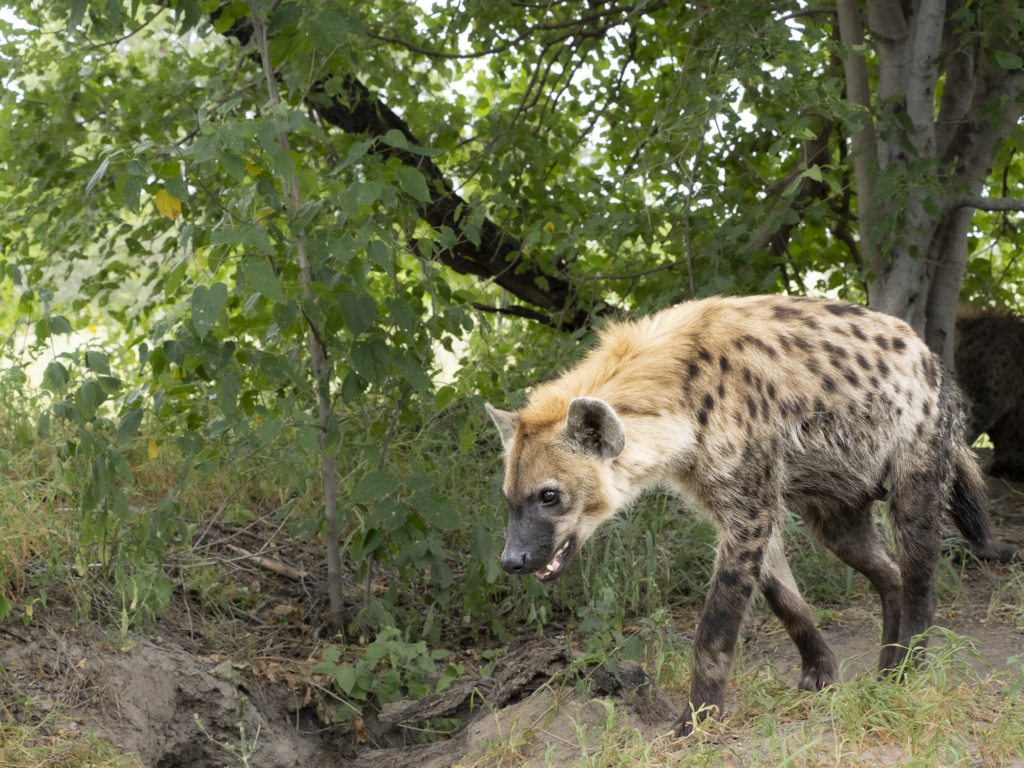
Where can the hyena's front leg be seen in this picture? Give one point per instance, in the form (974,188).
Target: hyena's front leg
(715,641)
(780,591)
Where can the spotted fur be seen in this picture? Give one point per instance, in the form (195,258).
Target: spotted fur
(989,357)
(744,407)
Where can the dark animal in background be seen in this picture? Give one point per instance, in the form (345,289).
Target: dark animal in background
(989,358)
(744,407)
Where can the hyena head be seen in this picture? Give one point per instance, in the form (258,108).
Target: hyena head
(558,483)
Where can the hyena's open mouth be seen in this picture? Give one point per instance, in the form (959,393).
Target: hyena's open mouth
(559,561)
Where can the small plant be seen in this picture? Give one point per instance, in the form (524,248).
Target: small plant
(389,669)
(243,751)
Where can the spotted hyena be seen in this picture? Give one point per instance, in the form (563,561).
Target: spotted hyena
(746,406)
(989,360)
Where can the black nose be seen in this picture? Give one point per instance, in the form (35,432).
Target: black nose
(516,562)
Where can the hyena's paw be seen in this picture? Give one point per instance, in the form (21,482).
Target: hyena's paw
(820,675)
(684,725)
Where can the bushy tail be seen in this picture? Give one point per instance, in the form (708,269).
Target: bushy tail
(968,499)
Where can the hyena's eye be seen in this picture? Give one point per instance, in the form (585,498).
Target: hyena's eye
(547,498)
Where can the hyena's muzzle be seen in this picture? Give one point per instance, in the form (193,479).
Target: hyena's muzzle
(533,546)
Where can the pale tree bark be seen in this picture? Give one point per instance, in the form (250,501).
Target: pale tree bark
(922,230)
(863,143)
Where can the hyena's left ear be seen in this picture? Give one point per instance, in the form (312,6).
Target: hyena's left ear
(594,428)
(505,421)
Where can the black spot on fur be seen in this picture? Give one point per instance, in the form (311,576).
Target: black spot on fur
(813,323)
(898,344)
(844,309)
(723,361)
(784,341)
(863,362)
(851,377)
(931,370)
(803,343)
(786,312)
(927,409)
(771,390)
(729,578)
(882,342)
(874,383)
(812,364)
(721,390)
(752,407)
(835,351)
(882,367)
(702,417)
(692,370)
(709,402)
(704,355)
(747,376)
(828,383)
(758,344)
(858,332)
(920,429)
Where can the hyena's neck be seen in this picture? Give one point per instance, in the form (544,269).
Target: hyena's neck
(657,447)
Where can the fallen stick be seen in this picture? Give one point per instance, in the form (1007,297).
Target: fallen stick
(270,564)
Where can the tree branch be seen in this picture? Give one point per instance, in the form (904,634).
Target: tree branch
(817,10)
(526,312)
(986,204)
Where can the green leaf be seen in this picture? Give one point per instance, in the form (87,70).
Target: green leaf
(246,234)
(234,165)
(174,279)
(345,678)
(132,192)
(380,255)
(129,425)
(396,138)
(373,485)
(204,148)
(439,512)
(409,367)
(97,362)
(403,315)
(207,304)
(78,8)
(359,312)
(55,378)
(371,360)
(262,278)
(328,31)
(1006,59)
(305,215)
(97,176)
(308,438)
(60,325)
(227,395)
(269,430)
(412,181)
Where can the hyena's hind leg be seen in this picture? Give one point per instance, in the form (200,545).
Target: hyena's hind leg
(776,583)
(850,532)
(915,514)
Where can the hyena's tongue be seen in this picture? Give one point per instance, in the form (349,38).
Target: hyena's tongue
(555,564)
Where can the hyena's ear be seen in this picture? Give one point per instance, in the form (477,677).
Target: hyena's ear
(506,423)
(594,428)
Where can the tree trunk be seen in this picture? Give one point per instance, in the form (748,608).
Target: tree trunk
(920,224)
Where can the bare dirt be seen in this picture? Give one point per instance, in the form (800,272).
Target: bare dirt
(143,695)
